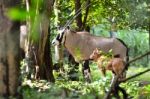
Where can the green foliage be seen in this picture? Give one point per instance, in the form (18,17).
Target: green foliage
(137,42)
(132,14)
(128,13)
(147,88)
(78,90)
(73,89)
(133,89)
(33,16)
(17,14)
(81,90)
(145,92)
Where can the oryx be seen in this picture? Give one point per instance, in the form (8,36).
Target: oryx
(81,45)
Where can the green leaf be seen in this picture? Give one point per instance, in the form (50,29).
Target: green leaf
(17,14)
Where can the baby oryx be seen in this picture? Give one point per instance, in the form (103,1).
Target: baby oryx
(114,64)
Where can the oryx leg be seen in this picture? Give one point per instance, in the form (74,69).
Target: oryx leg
(73,74)
(118,89)
(125,95)
(86,71)
(113,78)
(114,85)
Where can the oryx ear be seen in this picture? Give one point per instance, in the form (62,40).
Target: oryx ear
(67,29)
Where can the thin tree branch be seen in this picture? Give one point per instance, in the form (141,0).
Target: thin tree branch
(139,57)
(138,74)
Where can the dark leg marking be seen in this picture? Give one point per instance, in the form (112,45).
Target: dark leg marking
(86,71)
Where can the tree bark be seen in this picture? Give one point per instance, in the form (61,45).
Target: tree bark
(79,17)
(44,53)
(86,15)
(148,57)
(9,51)
(38,50)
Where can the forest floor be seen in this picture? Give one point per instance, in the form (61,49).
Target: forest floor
(138,88)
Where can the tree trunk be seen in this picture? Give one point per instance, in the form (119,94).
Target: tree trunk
(45,61)
(85,17)
(9,51)
(44,53)
(38,49)
(148,57)
(79,17)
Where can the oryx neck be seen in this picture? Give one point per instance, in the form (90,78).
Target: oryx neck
(64,39)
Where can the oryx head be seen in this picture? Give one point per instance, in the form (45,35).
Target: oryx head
(60,38)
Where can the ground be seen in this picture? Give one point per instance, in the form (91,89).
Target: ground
(138,88)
